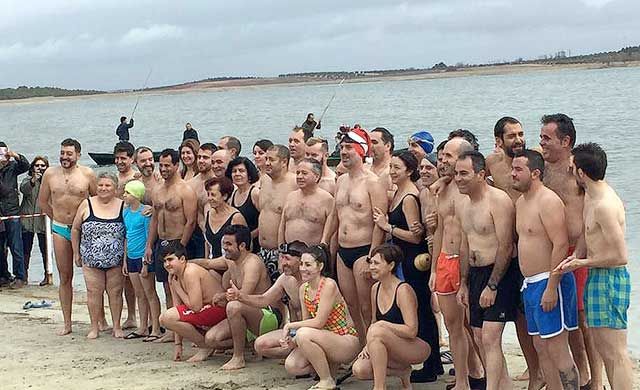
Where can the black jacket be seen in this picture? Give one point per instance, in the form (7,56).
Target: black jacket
(123,130)
(9,195)
(190,134)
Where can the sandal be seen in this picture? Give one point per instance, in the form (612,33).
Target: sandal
(150,338)
(134,335)
(446,357)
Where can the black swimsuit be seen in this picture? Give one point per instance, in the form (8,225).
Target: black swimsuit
(250,214)
(215,239)
(409,249)
(393,315)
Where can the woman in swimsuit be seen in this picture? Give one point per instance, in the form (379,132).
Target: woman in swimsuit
(245,175)
(219,214)
(392,341)
(325,338)
(97,238)
(188,155)
(404,212)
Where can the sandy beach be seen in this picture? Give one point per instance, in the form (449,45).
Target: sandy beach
(35,358)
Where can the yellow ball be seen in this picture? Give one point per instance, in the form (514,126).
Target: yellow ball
(422,262)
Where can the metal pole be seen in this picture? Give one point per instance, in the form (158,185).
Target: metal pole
(49,245)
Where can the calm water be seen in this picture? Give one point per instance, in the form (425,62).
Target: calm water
(603,103)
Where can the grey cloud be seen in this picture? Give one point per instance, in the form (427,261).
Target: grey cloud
(107,44)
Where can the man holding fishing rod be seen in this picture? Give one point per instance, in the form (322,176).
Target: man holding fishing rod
(123,129)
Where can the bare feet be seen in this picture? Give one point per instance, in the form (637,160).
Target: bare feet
(536,384)
(234,364)
(326,384)
(129,324)
(405,379)
(93,334)
(64,331)
(103,325)
(202,355)
(522,377)
(167,338)
(118,333)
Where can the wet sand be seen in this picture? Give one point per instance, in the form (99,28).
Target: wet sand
(34,357)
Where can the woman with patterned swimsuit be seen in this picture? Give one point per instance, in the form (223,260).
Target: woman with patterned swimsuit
(98,239)
(325,338)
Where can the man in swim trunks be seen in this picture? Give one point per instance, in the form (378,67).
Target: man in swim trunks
(193,289)
(123,157)
(382,145)
(63,189)
(273,195)
(489,282)
(244,323)
(195,248)
(231,144)
(219,161)
(509,138)
(357,193)
(146,166)
(608,287)
(557,137)
(297,147)
(549,298)
(288,284)
(174,217)
(445,270)
(306,212)
(318,149)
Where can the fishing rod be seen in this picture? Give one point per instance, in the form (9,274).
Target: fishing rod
(331,100)
(143,88)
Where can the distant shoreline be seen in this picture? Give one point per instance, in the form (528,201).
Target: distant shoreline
(492,70)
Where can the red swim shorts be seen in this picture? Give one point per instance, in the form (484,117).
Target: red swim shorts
(209,316)
(581,275)
(447,274)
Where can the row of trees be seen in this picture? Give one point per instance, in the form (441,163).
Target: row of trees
(24,92)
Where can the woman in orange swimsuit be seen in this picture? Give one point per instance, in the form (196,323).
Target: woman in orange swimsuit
(325,338)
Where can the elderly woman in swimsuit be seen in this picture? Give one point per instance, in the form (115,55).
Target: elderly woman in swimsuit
(246,177)
(98,240)
(218,214)
(325,338)
(392,342)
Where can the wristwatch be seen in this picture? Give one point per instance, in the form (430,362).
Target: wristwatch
(492,286)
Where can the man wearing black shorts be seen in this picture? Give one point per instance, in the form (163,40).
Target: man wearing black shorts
(488,276)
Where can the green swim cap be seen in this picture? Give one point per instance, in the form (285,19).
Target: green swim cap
(135,188)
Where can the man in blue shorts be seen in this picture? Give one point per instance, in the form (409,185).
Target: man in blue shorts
(608,286)
(549,297)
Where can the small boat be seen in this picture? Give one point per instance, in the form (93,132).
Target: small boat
(102,159)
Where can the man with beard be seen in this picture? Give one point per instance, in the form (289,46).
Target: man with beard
(445,267)
(195,248)
(288,284)
(509,138)
(557,137)
(608,288)
(219,161)
(306,210)
(273,195)
(231,144)
(489,280)
(358,192)
(297,147)
(382,147)
(318,149)
(549,298)
(63,189)
(123,158)
(309,125)
(146,166)
(247,273)
(175,211)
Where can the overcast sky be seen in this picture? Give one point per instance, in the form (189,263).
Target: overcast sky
(111,44)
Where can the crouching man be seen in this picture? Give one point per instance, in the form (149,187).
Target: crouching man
(193,289)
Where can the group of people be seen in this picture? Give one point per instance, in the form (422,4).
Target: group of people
(327,269)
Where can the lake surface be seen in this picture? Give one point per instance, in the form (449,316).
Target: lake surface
(604,104)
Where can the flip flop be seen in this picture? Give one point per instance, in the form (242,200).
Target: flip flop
(446,357)
(150,338)
(134,335)
(36,305)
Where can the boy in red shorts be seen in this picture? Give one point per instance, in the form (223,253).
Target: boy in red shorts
(193,289)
